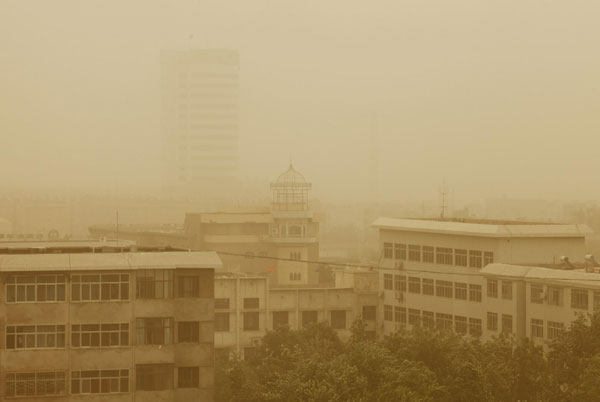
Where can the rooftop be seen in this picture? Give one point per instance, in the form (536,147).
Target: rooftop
(532,273)
(58,246)
(109,261)
(483,228)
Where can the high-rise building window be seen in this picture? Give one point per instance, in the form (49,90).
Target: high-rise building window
(221,322)
(507,290)
(154,331)
(428,319)
(579,299)
(444,255)
(537,328)
(388,250)
(280,318)
(189,286)
(492,321)
(399,251)
(536,293)
(388,281)
(251,302)
(388,313)
(475,259)
(414,252)
(154,284)
(474,292)
(443,321)
(460,290)
(492,288)
(35,288)
(153,377)
(460,257)
(251,321)
(428,254)
(369,313)
(188,331)
(428,288)
(475,327)
(460,324)
(414,317)
(414,284)
(35,383)
(188,377)
(555,296)
(554,329)
(400,314)
(100,381)
(221,303)
(309,318)
(400,283)
(96,287)
(488,258)
(507,323)
(443,288)
(35,336)
(99,335)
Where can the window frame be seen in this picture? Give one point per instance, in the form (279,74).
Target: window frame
(101,332)
(80,377)
(12,285)
(34,333)
(121,285)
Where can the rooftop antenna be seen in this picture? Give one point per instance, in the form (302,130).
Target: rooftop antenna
(443,205)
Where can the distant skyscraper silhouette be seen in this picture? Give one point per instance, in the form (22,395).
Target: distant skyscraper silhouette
(200,103)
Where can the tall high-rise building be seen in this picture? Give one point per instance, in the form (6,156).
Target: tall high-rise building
(200,124)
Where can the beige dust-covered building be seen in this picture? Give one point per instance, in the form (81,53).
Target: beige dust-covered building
(123,326)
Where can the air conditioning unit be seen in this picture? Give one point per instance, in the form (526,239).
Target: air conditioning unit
(399,295)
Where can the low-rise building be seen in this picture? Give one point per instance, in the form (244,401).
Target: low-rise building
(122,326)
(246,307)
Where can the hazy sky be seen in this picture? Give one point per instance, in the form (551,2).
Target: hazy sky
(494,97)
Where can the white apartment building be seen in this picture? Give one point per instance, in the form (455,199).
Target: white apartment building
(200,109)
(246,308)
(544,300)
(430,268)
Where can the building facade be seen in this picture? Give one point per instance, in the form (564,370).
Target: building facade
(246,307)
(431,269)
(129,326)
(200,123)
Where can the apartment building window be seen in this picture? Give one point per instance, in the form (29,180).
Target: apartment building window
(579,299)
(554,329)
(251,321)
(596,300)
(414,284)
(536,293)
(444,255)
(414,252)
(338,319)
(414,317)
(428,320)
(309,318)
(388,250)
(507,290)
(280,318)
(460,257)
(460,324)
(537,328)
(221,322)
(153,377)
(460,291)
(295,276)
(35,288)
(388,281)
(154,284)
(507,323)
(443,321)
(555,296)
(492,321)
(251,302)
(369,313)
(188,377)
(388,313)
(492,288)
(188,286)
(474,292)
(188,331)
(295,255)
(36,383)
(400,314)
(222,304)
(475,259)
(100,381)
(428,255)
(154,331)
(399,251)
(428,288)
(488,258)
(35,336)
(99,335)
(96,287)
(400,283)
(443,288)
(475,327)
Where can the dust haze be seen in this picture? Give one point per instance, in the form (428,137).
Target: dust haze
(491,99)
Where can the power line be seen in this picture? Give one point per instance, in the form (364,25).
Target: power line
(373,267)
